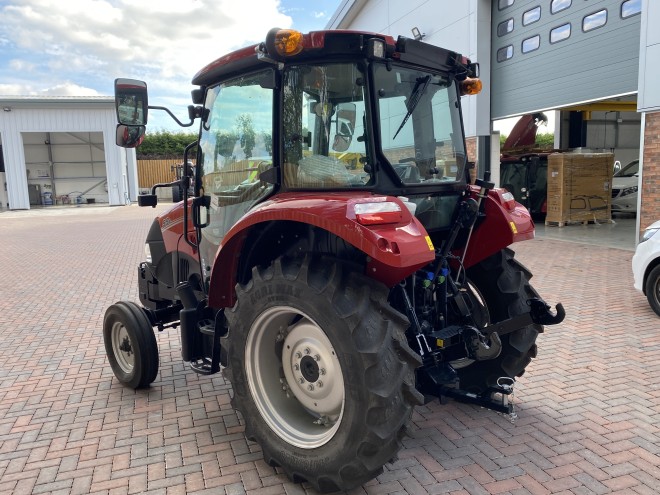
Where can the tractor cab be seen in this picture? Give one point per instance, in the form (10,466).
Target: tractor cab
(319,113)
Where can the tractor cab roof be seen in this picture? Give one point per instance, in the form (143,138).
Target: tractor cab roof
(288,46)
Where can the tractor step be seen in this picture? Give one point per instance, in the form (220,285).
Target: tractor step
(203,366)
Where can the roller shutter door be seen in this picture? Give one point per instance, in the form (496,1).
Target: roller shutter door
(585,50)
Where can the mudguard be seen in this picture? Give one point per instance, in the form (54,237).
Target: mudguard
(506,221)
(394,250)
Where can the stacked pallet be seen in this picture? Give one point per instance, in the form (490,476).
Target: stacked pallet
(579,188)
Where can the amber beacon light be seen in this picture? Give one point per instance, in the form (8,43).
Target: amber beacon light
(285,42)
(471,86)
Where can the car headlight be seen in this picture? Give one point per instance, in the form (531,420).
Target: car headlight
(648,233)
(629,190)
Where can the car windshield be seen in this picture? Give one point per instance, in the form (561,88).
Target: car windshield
(629,170)
(421,132)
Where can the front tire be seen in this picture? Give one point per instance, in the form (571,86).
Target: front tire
(130,344)
(503,283)
(653,289)
(321,371)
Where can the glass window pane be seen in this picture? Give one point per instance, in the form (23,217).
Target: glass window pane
(505,27)
(595,20)
(505,53)
(630,8)
(531,44)
(559,5)
(560,33)
(503,4)
(418,138)
(532,15)
(323,116)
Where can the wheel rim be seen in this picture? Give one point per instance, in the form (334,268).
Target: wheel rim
(122,347)
(295,377)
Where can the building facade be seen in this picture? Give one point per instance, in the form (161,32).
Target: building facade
(62,150)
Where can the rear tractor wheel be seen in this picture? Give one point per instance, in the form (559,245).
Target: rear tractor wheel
(502,286)
(321,371)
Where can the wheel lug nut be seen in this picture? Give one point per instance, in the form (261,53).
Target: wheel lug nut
(307,351)
(311,387)
(296,367)
(322,371)
(319,384)
(301,380)
(317,357)
(298,355)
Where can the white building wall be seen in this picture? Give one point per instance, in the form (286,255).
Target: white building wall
(462,26)
(34,119)
(648,97)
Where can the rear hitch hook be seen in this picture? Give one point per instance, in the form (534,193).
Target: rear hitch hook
(541,314)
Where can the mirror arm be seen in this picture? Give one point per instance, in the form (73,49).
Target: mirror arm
(192,121)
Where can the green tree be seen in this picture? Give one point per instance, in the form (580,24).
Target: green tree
(247,134)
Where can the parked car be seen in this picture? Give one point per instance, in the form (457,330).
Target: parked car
(624,188)
(646,266)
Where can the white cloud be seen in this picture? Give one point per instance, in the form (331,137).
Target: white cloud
(69,89)
(164,37)
(319,15)
(64,89)
(21,65)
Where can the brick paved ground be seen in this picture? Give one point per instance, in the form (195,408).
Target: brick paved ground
(589,406)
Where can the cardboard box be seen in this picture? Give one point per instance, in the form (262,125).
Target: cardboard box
(579,187)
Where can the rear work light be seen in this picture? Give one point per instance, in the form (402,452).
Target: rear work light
(378,213)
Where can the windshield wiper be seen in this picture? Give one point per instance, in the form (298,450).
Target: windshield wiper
(413,100)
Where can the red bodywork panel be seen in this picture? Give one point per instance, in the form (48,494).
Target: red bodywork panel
(395,250)
(504,224)
(171,226)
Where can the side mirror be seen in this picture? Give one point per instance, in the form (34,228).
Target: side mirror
(131,101)
(147,200)
(130,136)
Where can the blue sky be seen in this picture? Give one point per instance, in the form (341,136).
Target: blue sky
(78,47)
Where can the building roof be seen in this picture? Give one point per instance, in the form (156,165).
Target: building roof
(7,101)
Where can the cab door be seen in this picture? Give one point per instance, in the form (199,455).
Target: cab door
(236,147)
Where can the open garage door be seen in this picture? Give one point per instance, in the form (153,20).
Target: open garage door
(556,53)
(65,167)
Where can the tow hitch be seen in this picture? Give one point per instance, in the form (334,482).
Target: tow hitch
(442,380)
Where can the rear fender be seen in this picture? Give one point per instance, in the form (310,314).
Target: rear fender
(505,222)
(393,250)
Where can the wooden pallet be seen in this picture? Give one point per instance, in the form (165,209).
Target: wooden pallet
(592,221)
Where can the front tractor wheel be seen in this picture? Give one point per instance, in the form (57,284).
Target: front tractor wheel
(321,371)
(130,344)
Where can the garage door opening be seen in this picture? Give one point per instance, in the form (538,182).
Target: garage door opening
(65,167)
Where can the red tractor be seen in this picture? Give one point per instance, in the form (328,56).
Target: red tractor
(333,260)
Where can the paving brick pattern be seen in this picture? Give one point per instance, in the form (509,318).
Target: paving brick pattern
(589,406)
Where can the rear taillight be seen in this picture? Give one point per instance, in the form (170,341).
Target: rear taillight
(378,213)
(505,198)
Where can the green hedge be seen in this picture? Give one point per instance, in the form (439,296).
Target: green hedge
(164,144)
